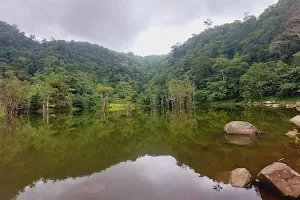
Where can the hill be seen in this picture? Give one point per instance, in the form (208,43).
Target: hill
(258,57)
(254,58)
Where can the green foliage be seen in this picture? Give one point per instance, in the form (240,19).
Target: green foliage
(259,81)
(218,59)
(258,57)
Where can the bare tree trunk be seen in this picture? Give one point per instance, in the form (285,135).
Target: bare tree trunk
(104,108)
(172,101)
(47,104)
(153,101)
(28,107)
(162,105)
(104,104)
(193,100)
(189,103)
(167,101)
(180,104)
(128,107)
(47,118)
(44,109)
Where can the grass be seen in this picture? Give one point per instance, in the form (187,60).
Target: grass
(119,106)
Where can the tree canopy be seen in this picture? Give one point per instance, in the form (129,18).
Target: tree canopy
(258,57)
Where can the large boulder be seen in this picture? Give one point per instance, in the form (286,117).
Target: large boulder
(240,128)
(296,120)
(240,177)
(282,178)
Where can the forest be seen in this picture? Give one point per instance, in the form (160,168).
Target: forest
(256,58)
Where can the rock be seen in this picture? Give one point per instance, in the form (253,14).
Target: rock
(272,100)
(282,178)
(240,128)
(240,177)
(293,134)
(290,106)
(296,120)
(276,105)
(268,102)
(298,109)
(298,104)
(243,140)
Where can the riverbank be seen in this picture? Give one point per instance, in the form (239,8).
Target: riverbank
(233,103)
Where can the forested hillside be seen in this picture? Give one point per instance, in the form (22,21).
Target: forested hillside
(66,74)
(258,57)
(255,58)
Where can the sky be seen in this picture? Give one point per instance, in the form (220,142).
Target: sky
(144,27)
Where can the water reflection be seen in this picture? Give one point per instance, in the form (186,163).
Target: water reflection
(146,178)
(80,144)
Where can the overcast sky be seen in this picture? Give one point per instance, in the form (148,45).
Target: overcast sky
(141,26)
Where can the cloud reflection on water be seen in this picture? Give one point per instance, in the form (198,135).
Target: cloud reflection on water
(147,178)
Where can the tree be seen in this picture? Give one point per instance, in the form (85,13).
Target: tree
(104,90)
(12,94)
(126,90)
(180,92)
(208,23)
(260,81)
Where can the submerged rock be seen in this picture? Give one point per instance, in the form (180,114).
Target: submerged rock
(243,140)
(296,120)
(293,134)
(240,128)
(275,105)
(282,178)
(240,177)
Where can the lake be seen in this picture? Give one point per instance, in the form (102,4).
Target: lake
(144,156)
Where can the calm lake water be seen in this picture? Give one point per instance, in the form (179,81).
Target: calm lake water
(145,156)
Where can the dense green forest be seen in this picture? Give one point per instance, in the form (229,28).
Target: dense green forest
(256,58)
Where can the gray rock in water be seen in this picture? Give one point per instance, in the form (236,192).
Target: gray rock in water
(292,134)
(290,106)
(240,128)
(298,104)
(268,102)
(296,120)
(240,177)
(282,178)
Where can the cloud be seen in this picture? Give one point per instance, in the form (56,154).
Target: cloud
(115,23)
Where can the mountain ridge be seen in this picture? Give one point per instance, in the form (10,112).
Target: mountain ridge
(258,57)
